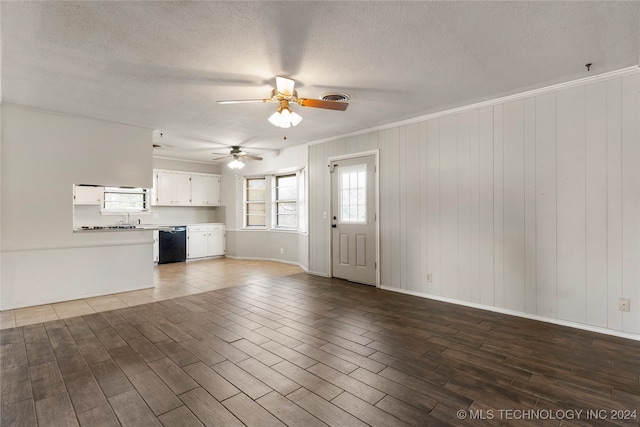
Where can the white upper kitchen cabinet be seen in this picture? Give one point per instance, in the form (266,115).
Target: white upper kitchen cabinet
(172,188)
(175,188)
(205,190)
(88,195)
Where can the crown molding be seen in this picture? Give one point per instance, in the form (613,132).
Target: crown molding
(496,101)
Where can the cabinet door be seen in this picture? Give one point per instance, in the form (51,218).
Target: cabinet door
(87,195)
(216,244)
(183,189)
(213,190)
(205,190)
(165,188)
(198,190)
(197,245)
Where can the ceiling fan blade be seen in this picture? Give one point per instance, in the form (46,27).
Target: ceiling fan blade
(247,156)
(243,101)
(318,103)
(285,85)
(222,157)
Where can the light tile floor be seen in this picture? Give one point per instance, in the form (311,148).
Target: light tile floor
(170,281)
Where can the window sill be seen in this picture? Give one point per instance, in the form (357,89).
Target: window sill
(120,213)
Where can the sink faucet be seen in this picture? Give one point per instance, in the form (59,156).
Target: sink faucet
(127,222)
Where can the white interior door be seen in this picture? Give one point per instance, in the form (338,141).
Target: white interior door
(353,214)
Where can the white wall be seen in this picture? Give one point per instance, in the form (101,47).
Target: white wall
(530,206)
(43,154)
(185,165)
(262,244)
(0,154)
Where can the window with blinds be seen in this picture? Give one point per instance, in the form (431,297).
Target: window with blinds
(122,199)
(255,202)
(286,201)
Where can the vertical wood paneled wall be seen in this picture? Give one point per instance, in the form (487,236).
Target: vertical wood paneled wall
(532,205)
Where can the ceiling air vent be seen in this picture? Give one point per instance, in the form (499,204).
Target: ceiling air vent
(336,97)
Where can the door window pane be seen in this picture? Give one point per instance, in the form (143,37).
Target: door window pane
(353,194)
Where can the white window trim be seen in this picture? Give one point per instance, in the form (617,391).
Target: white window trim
(245,202)
(270,193)
(144,210)
(303,197)
(275,202)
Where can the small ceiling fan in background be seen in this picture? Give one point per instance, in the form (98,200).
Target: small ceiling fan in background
(284,95)
(237,154)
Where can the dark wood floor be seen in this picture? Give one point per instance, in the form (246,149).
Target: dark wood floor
(307,351)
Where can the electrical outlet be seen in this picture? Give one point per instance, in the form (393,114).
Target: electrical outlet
(429,277)
(624,304)
(281,251)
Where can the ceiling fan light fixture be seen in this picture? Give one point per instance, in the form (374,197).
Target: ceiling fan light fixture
(276,120)
(236,164)
(295,118)
(284,117)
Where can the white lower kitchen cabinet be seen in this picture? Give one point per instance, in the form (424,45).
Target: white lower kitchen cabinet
(196,241)
(216,240)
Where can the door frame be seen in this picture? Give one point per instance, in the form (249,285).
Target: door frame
(376,154)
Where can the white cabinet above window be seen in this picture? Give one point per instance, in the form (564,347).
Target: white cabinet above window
(88,195)
(175,188)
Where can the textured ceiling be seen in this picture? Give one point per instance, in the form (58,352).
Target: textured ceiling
(163,65)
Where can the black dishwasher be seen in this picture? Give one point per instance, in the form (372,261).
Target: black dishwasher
(173,245)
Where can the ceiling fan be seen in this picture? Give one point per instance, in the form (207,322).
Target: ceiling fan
(237,154)
(284,95)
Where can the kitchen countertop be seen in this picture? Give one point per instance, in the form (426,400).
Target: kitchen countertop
(137,227)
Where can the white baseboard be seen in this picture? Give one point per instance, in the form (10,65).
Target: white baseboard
(317,273)
(501,310)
